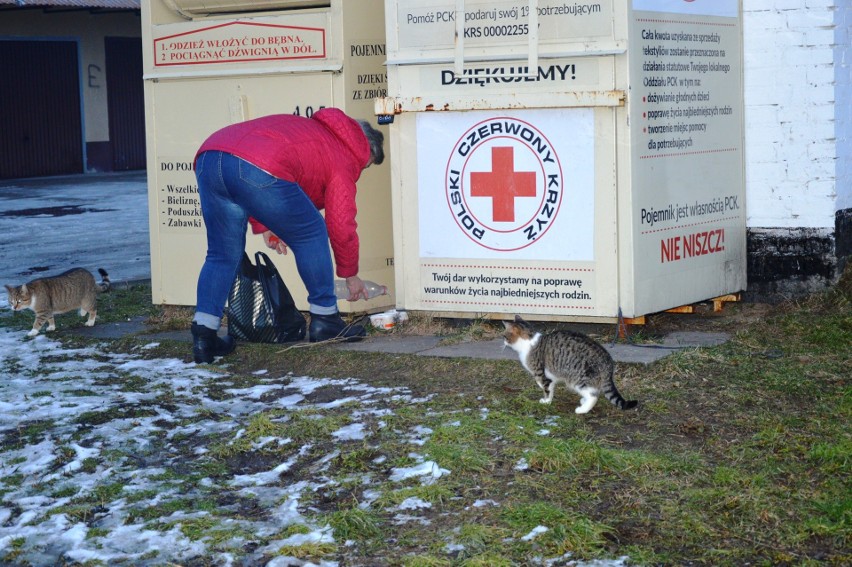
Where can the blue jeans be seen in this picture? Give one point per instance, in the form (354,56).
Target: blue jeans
(231,190)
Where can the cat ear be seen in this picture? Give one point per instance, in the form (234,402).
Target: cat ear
(506,324)
(518,319)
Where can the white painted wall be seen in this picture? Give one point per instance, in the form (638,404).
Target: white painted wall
(843,106)
(798,116)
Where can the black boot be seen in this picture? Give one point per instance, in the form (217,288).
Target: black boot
(326,327)
(207,344)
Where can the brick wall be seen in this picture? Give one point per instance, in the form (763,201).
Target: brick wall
(798,120)
(790,112)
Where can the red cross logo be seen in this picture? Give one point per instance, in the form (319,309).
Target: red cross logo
(503,184)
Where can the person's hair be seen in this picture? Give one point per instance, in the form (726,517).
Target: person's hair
(376,139)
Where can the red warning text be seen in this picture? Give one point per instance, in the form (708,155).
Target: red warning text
(692,245)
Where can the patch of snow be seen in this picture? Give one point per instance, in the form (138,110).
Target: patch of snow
(351,432)
(406,519)
(536,531)
(89,431)
(428,469)
(413,503)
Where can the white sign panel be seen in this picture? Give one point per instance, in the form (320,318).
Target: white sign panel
(687,143)
(432,23)
(723,8)
(507,185)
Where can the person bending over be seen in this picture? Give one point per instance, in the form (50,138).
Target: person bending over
(277,172)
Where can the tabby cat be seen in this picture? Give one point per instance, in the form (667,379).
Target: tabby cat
(565,356)
(74,289)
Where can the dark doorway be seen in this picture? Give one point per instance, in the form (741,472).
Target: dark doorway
(125,102)
(42,131)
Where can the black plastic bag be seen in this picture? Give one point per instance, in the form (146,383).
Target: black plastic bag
(260,307)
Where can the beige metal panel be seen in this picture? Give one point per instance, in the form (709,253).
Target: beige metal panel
(189,100)
(406,214)
(559,280)
(198,8)
(623,211)
(457,65)
(687,186)
(181,127)
(607,245)
(362,44)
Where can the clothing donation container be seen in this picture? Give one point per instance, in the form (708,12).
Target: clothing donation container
(565,160)
(211,63)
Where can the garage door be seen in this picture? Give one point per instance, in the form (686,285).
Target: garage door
(126,102)
(40,114)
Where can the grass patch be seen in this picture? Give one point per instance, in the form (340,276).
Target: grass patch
(737,455)
(355,523)
(311,425)
(120,303)
(431,493)
(307,550)
(460,457)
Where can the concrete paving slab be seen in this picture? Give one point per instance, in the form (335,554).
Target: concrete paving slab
(494,350)
(180,336)
(430,345)
(695,339)
(485,350)
(638,354)
(135,327)
(393,344)
(116,330)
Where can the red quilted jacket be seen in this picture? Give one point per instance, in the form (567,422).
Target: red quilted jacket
(324,154)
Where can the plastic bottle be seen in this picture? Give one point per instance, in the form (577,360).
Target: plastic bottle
(373,289)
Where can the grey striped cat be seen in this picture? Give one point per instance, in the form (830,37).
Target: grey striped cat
(74,289)
(569,357)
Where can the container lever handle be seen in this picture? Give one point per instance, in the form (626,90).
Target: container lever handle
(459,39)
(532,55)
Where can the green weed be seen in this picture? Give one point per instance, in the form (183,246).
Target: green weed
(354,523)
(307,550)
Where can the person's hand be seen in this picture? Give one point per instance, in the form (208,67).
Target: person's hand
(274,242)
(357,289)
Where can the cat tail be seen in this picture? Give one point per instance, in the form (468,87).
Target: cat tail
(611,393)
(105,283)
